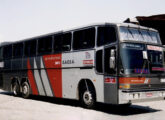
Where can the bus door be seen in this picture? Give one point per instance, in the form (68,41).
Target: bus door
(110,75)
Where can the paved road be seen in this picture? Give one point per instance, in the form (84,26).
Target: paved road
(44,108)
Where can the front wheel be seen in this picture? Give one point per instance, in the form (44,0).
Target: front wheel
(25,90)
(88,98)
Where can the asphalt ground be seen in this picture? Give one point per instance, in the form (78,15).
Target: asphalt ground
(46,108)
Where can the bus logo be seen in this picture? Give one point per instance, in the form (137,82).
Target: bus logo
(88,55)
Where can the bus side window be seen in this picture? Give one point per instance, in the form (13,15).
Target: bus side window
(66,42)
(84,39)
(99,61)
(62,42)
(106,35)
(45,45)
(57,43)
(30,48)
(18,50)
(7,52)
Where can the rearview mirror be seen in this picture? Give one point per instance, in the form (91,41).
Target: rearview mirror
(112,59)
(145,56)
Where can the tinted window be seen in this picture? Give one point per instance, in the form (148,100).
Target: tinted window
(30,48)
(18,50)
(106,35)
(45,45)
(84,39)
(57,43)
(99,61)
(7,52)
(66,42)
(62,42)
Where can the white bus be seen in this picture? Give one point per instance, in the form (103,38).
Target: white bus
(108,63)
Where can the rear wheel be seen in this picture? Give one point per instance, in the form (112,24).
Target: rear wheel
(25,90)
(15,88)
(88,98)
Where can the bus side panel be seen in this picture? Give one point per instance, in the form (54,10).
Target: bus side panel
(78,66)
(30,76)
(72,77)
(53,64)
(7,75)
(110,90)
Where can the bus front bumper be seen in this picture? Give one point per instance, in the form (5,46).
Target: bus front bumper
(142,96)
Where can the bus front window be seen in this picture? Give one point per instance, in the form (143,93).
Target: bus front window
(141,35)
(132,59)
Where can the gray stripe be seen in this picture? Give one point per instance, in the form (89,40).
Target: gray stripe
(38,80)
(45,80)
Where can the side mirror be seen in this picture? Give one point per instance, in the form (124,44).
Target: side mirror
(145,56)
(112,59)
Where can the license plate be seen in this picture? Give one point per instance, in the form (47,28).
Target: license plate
(149,94)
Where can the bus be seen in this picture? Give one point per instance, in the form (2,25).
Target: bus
(111,63)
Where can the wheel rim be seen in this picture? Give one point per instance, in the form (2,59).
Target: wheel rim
(87,98)
(15,90)
(25,90)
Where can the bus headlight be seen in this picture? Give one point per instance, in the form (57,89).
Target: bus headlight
(125,86)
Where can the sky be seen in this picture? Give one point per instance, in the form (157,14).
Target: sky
(21,19)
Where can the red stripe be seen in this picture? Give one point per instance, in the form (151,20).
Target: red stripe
(88,62)
(31,79)
(132,80)
(54,75)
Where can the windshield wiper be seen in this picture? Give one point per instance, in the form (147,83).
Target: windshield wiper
(144,65)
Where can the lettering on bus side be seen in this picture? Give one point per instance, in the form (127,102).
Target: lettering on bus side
(68,62)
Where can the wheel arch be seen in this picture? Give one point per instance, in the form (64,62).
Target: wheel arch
(15,79)
(24,79)
(82,84)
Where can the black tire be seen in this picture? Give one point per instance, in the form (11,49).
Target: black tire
(25,90)
(88,97)
(15,88)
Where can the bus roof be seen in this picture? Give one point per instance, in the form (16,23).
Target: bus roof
(79,28)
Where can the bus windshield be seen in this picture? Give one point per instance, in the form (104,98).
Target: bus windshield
(139,35)
(134,63)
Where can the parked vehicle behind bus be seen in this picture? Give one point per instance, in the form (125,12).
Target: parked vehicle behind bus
(108,63)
